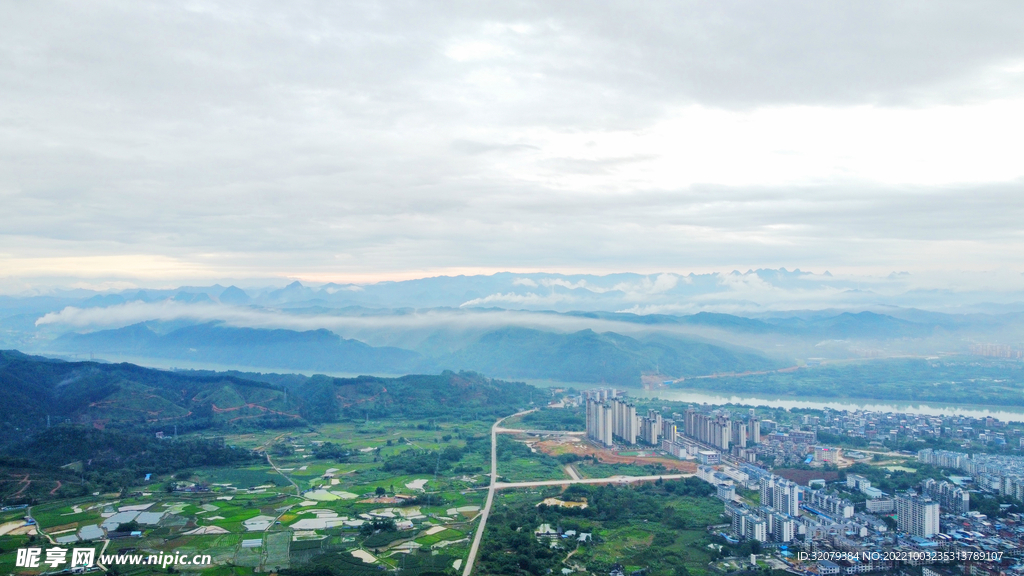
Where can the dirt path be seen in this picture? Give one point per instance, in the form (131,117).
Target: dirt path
(298,491)
(25,481)
(251,405)
(54,491)
(610,480)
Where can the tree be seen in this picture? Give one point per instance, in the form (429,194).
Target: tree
(130,526)
(381,491)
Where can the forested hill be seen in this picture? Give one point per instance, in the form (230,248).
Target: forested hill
(127,396)
(506,352)
(317,350)
(105,417)
(587,356)
(133,398)
(456,396)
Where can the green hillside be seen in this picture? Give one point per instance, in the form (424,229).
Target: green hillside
(509,352)
(128,397)
(104,419)
(587,356)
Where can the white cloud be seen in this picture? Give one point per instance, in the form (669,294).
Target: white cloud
(646,287)
(529,298)
(466,51)
(160,142)
(550,282)
(348,326)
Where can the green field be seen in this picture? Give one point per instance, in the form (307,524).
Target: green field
(242,477)
(588,469)
(340,469)
(653,527)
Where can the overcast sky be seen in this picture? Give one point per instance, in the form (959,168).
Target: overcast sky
(147,142)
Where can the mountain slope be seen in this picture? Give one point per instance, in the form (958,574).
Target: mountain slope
(587,356)
(130,397)
(510,352)
(99,395)
(314,350)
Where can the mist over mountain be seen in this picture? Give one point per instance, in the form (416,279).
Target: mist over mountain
(510,352)
(575,328)
(754,292)
(314,350)
(587,356)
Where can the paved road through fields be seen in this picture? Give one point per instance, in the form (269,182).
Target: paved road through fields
(490,495)
(495,485)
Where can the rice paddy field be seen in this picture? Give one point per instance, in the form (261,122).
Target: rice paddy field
(310,498)
(263,518)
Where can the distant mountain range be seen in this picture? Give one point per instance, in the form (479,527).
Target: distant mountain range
(842,325)
(314,350)
(754,292)
(587,356)
(576,328)
(510,352)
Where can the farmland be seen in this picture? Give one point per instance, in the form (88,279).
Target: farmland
(348,496)
(253,517)
(658,527)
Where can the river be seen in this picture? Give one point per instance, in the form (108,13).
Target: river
(1010,414)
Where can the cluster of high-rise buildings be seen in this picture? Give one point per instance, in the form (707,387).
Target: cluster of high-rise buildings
(936,516)
(721,429)
(775,520)
(611,417)
(830,504)
(891,426)
(781,494)
(997,351)
(788,510)
(1002,474)
(952,498)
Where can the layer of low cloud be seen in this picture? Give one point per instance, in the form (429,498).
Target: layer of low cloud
(162,141)
(110,317)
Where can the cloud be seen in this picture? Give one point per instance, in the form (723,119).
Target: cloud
(646,287)
(349,288)
(256,140)
(84,319)
(529,299)
(550,282)
(470,147)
